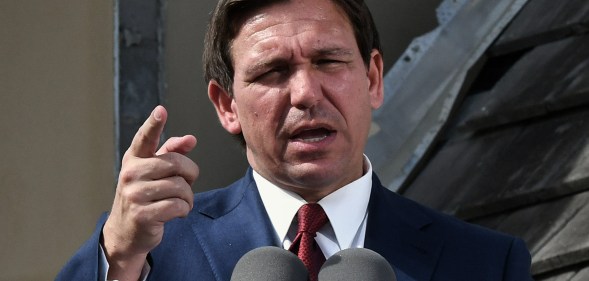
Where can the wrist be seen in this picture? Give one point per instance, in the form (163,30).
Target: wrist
(125,269)
(122,265)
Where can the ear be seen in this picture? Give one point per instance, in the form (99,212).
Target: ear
(375,78)
(225,106)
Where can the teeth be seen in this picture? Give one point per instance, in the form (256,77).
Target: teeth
(315,139)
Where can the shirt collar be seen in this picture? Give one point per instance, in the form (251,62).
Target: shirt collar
(345,207)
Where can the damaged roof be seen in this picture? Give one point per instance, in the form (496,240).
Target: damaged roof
(513,154)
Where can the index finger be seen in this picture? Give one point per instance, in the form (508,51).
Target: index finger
(147,138)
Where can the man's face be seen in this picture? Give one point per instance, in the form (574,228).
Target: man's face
(303,96)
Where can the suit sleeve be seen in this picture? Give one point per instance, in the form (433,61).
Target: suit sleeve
(84,264)
(517,264)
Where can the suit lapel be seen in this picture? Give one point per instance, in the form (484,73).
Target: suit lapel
(233,221)
(397,230)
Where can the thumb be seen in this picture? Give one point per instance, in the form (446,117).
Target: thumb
(181,145)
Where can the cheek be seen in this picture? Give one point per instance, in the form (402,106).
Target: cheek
(354,105)
(350,96)
(261,112)
(350,82)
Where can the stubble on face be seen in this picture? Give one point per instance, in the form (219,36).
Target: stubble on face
(301,98)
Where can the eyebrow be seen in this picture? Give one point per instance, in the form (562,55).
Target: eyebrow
(333,52)
(264,64)
(317,52)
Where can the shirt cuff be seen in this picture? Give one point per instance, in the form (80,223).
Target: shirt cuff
(103,267)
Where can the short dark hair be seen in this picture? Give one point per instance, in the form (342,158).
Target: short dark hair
(228,16)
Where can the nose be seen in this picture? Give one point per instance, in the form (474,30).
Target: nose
(305,90)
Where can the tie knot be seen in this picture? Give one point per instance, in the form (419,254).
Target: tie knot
(311,218)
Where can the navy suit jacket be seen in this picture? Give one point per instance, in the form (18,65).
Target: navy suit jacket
(420,243)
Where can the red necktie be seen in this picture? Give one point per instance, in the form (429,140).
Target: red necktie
(311,218)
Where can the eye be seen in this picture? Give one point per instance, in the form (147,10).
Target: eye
(273,75)
(328,61)
(329,64)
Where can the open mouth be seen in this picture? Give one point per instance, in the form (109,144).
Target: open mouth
(312,135)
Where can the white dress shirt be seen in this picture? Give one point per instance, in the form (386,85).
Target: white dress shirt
(346,209)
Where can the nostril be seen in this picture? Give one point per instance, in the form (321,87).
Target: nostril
(305,98)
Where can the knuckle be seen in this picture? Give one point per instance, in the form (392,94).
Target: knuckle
(142,137)
(127,176)
(126,156)
(176,185)
(172,158)
(185,189)
(129,195)
(196,170)
(173,208)
(143,216)
(134,197)
(171,163)
(190,201)
(179,182)
(181,208)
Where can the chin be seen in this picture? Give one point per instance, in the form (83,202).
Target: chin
(314,178)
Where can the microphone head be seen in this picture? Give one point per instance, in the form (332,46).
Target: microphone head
(269,263)
(356,264)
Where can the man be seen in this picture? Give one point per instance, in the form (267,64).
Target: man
(297,80)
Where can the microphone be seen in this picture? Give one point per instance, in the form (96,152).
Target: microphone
(356,264)
(269,263)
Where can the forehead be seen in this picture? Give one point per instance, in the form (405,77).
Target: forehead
(290,18)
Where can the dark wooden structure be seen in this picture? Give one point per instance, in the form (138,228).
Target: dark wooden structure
(139,66)
(515,154)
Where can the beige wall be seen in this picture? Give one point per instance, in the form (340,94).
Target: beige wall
(56,169)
